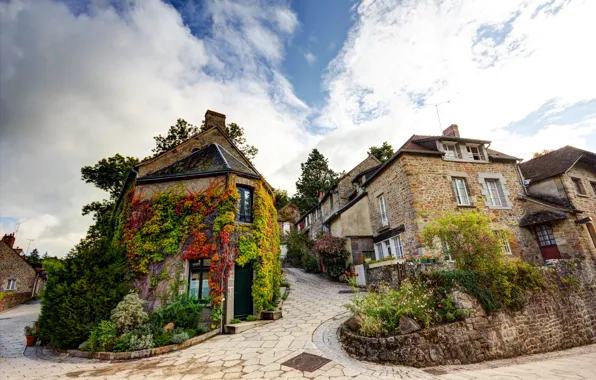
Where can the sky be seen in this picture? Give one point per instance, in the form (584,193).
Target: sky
(80,81)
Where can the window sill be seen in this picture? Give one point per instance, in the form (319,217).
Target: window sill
(244,223)
(499,207)
(383,228)
(467,206)
(464,160)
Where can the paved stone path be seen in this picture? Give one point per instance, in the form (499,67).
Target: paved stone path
(312,313)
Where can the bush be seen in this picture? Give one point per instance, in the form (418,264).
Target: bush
(381,311)
(162,339)
(311,265)
(185,312)
(468,238)
(140,339)
(234,321)
(299,246)
(179,337)
(251,318)
(103,337)
(333,251)
(129,314)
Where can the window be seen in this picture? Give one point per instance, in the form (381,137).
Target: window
(579,186)
(496,195)
(245,207)
(399,249)
(451,150)
(379,251)
(593,187)
(544,232)
(475,152)
(12,284)
(198,279)
(286,227)
(504,241)
(461,191)
(387,245)
(446,252)
(383,210)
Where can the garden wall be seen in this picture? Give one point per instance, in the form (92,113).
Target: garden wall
(560,318)
(11,300)
(393,273)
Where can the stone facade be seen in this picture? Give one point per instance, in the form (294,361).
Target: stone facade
(561,318)
(417,189)
(14,267)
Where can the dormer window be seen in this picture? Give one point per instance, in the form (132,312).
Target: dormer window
(451,151)
(475,152)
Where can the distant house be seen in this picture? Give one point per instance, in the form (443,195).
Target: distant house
(287,217)
(561,203)
(218,190)
(17,277)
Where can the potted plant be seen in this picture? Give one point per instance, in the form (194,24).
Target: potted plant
(31,335)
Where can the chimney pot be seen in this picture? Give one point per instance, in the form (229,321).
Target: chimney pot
(9,239)
(215,119)
(452,130)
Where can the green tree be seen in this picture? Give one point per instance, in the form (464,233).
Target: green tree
(109,173)
(316,177)
(177,133)
(281,198)
(236,134)
(34,258)
(468,238)
(383,152)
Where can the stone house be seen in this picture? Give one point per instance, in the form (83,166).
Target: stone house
(431,175)
(17,277)
(219,191)
(560,204)
(342,196)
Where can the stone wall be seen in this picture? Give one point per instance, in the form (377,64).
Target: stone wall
(561,318)
(13,266)
(13,299)
(391,274)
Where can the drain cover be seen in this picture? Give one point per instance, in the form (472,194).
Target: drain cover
(306,362)
(435,371)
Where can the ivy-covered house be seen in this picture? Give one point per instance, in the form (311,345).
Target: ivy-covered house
(201,219)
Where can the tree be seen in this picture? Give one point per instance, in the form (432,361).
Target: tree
(177,133)
(281,198)
(316,177)
(33,258)
(383,152)
(236,134)
(109,173)
(542,153)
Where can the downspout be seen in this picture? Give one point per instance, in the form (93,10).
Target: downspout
(521,177)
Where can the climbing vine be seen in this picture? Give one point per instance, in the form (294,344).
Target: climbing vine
(259,244)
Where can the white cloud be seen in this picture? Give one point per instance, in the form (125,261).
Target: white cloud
(310,58)
(75,89)
(496,61)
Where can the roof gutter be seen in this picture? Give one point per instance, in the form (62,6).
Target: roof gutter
(173,177)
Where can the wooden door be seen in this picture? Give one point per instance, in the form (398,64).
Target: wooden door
(547,242)
(242,291)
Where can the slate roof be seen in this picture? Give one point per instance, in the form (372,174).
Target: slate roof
(554,163)
(211,159)
(540,217)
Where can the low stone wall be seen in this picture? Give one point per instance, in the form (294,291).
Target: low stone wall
(552,320)
(391,273)
(142,353)
(11,300)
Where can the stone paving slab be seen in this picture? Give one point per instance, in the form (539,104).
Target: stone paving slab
(312,313)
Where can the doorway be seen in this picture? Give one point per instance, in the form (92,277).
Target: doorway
(243,291)
(547,242)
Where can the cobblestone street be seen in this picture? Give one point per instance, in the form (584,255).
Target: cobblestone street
(311,316)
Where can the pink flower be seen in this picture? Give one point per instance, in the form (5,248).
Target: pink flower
(439,306)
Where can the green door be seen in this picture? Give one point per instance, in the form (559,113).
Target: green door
(242,291)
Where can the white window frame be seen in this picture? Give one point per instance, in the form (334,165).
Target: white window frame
(379,250)
(387,249)
(398,247)
(504,241)
(13,282)
(460,188)
(451,154)
(479,149)
(496,195)
(383,210)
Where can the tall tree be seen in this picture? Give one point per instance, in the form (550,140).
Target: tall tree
(177,133)
(33,258)
(383,152)
(281,198)
(236,134)
(316,177)
(109,173)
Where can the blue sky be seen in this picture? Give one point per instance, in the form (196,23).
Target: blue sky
(84,80)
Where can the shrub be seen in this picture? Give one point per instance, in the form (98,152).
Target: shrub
(129,314)
(381,311)
(311,265)
(251,318)
(446,311)
(468,238)
(140,339)
(234,321)
(162,339)
(299,245)
(179,337)
(184,311)
(103,337)
(333,251)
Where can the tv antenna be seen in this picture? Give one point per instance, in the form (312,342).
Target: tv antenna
(17,227)
(29,245)
(439,116)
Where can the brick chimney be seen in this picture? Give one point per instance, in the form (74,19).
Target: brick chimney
(215,119)
(9,239)
(452,130)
